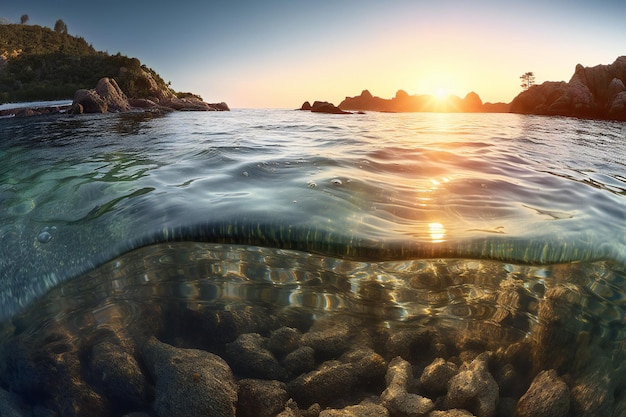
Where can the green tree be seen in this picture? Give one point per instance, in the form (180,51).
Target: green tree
(60,26)
(528,80)
(24,19)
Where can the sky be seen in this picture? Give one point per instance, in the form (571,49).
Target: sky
(279,53)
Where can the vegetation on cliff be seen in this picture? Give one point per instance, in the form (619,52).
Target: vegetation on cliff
(38,63)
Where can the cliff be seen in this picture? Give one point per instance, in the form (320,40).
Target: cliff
(592,92)
(403,102)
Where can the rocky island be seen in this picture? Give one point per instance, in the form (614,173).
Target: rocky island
(405,103)
(592,93)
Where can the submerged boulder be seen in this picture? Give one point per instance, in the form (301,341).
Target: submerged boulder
(189,382)
(548,396)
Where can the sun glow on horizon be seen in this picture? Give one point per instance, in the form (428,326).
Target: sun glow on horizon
(441,94)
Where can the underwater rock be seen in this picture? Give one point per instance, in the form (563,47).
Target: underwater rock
(330,338)
(332,381)
(369,366)
(413,345)
(554,344)
(116,372)
(455,412)
(366,409)
(548,396)
(261,398)
(474,388)
(435,377)
(592,392)
(396,398)
(300,360)
(189,381)
(284,340)
(11,405)
(224,326)
(249,356)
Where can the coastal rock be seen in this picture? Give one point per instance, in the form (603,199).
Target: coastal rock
(474,389)
(261,398)
(590,93)
(88,101)
(617,109)
(112,95)
(305,106)
(472,103)
(326,107)
(109,97)
(548,396)
(189,382)
(221,106)
(106,97)
(396,398)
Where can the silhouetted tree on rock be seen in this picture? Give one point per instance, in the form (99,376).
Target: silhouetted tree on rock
(24,19)
(528,80)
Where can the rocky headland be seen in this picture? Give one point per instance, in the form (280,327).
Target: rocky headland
(403,102)
(592,93)
(40,64)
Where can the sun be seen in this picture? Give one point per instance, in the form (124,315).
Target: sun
(441,94)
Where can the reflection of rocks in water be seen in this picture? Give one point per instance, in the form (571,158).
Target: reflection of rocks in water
(155,337)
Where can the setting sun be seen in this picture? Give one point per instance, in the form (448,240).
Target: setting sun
(441,94)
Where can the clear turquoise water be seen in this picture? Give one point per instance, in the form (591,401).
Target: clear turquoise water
(408,217)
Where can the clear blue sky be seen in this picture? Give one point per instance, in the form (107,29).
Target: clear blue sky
(280,53)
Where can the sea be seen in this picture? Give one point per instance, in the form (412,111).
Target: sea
(458,221)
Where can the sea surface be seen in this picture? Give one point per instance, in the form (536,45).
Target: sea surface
(408,218)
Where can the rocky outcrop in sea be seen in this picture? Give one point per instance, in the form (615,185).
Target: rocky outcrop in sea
(403,102)
(108,97)
(592,92)
(322,107)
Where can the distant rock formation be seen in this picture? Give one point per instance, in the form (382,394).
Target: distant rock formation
(108,97)
(403,102)
(322,107)
(592,92)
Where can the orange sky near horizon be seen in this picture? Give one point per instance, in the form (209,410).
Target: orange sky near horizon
(452,51)
(280,53)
